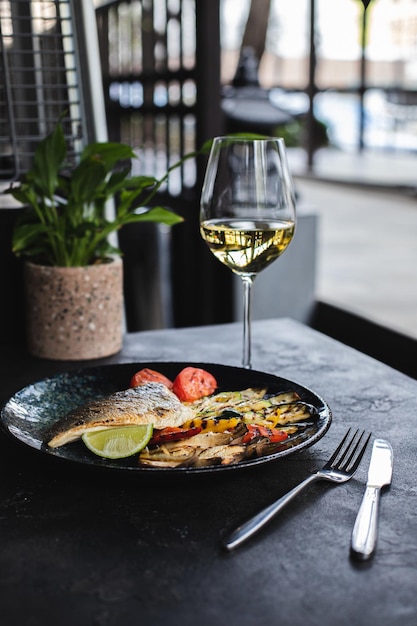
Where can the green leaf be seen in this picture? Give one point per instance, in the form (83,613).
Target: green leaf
(108,153)
(66,223)
(104,248)
(24,194)
(206,147)
(140,182)
(48,160)
(25,236)
(87,182)
(120,182)
(156,214)
(117,180)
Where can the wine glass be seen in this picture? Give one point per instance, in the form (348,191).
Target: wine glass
(247,214)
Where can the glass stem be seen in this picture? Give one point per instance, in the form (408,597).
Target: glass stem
(247,320)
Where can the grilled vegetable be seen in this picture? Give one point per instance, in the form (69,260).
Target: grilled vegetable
(215,404)
(146,375)
(253,405)
(233,426)
(173,434)
(214,424)
(272,434)
(182,453)
(193,383)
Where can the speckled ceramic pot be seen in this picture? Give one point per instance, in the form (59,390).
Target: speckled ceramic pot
(74,312)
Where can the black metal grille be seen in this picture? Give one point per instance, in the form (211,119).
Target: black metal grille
(149,62)
(39,80)
(160,63)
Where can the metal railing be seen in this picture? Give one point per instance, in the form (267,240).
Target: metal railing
(46,59)
(160,62)
(148,60)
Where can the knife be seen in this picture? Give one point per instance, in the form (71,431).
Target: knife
(380,473)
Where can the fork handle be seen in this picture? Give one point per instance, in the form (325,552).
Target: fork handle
(254,524)
(364,532)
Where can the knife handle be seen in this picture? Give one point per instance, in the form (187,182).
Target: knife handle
(365,530)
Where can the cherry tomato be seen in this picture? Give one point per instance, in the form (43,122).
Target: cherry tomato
(193,383)
(173,434)
(149,376)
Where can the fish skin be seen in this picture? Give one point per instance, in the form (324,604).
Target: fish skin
(151,403)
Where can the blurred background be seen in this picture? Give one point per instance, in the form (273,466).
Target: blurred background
(364,58)
(338,80)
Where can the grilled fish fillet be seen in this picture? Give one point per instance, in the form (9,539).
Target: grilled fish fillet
(152,403)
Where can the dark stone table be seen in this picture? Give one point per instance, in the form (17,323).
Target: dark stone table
(82,547)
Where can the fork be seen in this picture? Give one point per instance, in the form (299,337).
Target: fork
(340,468)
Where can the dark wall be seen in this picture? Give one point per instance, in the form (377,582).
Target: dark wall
(12,312)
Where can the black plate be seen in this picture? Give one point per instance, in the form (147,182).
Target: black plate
(29,414)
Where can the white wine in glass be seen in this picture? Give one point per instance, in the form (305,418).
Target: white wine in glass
(247,215)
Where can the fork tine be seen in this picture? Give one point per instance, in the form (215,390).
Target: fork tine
(352,469)
(353,450)
(350,450)
(338,449)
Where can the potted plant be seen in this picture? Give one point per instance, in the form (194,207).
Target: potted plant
(73,272)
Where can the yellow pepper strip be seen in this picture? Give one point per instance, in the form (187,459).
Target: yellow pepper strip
(213,424)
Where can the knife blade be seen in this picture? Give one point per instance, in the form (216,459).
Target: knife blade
(365,529)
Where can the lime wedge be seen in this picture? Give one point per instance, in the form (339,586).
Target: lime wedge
(118,443)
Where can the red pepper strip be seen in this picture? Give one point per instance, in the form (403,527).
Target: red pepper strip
(173,434)
(274,435)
